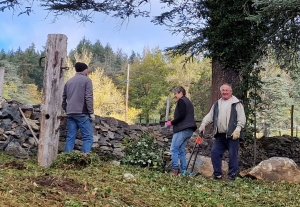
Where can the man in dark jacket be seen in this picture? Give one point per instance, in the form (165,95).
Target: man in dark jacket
(183,127)
(78,104)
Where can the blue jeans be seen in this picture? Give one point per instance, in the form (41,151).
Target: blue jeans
(221,144)
(83,123)
(179,142)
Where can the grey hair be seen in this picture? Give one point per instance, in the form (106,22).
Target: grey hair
(226,84)
(178,89)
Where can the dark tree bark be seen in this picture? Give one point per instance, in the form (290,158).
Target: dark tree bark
(221,76)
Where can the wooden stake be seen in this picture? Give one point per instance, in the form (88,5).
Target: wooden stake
(35,138)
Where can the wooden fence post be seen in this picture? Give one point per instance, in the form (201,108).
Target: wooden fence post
(167,110)
(56,53)
(1,81)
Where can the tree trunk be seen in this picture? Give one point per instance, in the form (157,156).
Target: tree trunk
(56,53)
(219,77)
(147,118)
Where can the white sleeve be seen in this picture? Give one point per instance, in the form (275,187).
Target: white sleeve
(209,117)
(241,117)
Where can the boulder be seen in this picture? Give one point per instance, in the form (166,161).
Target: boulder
(207,170)
(203,166)
(276,169)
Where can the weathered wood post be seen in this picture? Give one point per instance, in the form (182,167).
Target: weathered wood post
(56,53)
(1,81)
(167,110)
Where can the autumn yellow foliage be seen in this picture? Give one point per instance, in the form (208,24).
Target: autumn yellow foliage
(109,101)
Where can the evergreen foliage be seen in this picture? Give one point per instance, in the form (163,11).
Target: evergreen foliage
(102,56)
(144,151)
(279,92)
(221,31)
(14,88)
(27,63)
(283,29)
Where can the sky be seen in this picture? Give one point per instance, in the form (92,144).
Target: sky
(22,31)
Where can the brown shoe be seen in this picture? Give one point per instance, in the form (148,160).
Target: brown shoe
(175,172)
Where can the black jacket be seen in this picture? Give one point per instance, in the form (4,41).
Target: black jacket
(184,115)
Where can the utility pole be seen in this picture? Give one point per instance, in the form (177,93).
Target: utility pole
(2,70)
(127,94)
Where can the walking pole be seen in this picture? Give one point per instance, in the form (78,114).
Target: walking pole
(191,155)
(198,142)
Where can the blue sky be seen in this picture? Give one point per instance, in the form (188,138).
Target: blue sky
(22,31)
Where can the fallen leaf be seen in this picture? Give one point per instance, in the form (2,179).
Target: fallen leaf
(85,186)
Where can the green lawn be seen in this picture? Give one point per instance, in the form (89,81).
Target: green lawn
(24,183)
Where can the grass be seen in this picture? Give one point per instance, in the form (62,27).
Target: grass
(24,183)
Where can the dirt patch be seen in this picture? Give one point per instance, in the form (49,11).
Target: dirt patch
(14,165)
(61,184)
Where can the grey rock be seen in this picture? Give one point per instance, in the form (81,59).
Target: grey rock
(15,149)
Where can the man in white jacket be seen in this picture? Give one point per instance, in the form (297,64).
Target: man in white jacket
(228,118)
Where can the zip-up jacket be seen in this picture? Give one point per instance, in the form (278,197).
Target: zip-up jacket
(235,117)
(184,115)
(78,95)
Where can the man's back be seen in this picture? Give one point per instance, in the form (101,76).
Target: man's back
(78,93)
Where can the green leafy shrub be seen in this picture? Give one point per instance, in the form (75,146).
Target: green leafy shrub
(143,151)
(75,160)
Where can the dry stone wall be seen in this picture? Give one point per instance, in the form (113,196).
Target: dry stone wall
(17,139)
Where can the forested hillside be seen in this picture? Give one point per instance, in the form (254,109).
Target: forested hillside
(152,75)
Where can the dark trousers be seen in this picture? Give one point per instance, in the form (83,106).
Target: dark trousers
(221,144)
